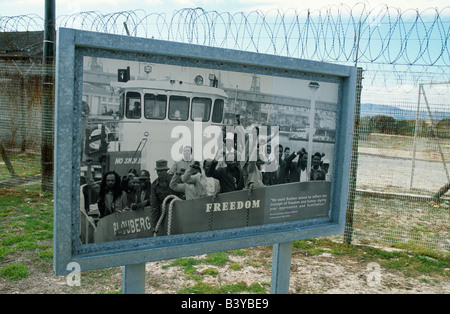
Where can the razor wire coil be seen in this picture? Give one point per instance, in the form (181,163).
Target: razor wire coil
(336,33)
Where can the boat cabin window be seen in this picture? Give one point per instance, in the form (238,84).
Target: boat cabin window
(201,108)
(217,113)
(133,105)
(155,106)
(178,108)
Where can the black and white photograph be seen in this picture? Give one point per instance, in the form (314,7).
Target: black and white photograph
(169,149)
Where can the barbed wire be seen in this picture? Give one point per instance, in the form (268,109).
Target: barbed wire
(353,35)
(381,34)
(21,23)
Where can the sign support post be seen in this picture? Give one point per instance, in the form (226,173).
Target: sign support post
(281,263)
(133,279)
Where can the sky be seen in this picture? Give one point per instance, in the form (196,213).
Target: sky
(66,7)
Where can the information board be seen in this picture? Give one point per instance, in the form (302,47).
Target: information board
(166,149)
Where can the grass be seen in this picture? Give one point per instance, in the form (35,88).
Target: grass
(24,165)
(218,259)
(26,228)
(213,261)
(240,287)
(410,260)
(402,221)
(14,272)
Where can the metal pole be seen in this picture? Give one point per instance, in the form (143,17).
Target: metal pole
(357,43)
(281,268)
(416,132)
(348,232)
(48,89)
(433,128)
(133,279)
(422,90)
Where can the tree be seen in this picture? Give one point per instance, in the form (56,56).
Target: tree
(443,128)
(405,127)
(383,124)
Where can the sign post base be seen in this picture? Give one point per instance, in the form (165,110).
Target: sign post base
(133,279)
(281,263)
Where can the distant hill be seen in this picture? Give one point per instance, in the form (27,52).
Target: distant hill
(370,110)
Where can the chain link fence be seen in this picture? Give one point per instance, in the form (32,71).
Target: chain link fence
(400,159)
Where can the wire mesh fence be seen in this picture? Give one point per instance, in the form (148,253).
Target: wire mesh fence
(402,149)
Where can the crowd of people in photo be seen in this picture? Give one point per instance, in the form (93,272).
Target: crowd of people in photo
(190,179)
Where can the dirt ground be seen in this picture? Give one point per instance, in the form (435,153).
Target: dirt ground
(319,274)
(394,168)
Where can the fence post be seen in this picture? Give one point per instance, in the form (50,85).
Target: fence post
(48,90)
(348,233)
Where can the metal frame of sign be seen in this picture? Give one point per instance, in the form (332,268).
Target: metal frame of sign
(73,45)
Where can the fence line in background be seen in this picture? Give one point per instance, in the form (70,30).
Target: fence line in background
(397,172)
